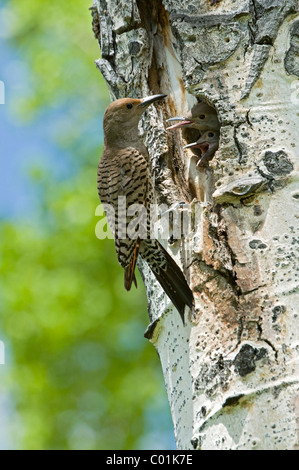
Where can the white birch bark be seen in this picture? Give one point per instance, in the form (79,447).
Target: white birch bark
(232,373)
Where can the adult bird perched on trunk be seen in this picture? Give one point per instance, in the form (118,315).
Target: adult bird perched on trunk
(124,175)
(208,143)
(201,116)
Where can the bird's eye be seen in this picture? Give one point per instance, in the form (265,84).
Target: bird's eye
(211,134)
(129,105)
(202,116)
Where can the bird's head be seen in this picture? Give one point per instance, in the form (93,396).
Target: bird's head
(122,116)
(207,140)
(201,116)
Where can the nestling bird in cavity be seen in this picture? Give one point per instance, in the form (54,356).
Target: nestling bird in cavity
(124,173)
(201,116)
(208,143)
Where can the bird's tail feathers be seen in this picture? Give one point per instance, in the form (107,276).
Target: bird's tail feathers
(174,283)
(130,269)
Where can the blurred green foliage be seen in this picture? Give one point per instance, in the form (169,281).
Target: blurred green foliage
(78,370)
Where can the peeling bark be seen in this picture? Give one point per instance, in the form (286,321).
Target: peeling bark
(232,372)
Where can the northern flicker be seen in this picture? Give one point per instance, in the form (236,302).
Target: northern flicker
(208,143)
(201,116)
(124,172)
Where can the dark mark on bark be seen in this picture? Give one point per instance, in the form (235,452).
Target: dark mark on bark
(245,360)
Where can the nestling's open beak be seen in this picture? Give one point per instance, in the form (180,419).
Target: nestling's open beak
(193,144)
(176,118)
(200,144)
(149,100)
(182,119)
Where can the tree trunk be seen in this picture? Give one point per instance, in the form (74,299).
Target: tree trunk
(232,372)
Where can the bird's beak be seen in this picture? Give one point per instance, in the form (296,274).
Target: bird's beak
(201,144)
(182,119)
(194,145)
(149,100)
(176,118)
